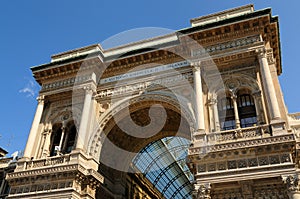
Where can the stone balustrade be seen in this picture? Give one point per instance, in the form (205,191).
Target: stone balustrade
(294,116)
(239,134)
(50,161)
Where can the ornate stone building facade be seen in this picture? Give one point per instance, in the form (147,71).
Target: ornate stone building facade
(203,105)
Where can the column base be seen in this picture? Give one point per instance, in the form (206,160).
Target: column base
(199,136)
(277,127)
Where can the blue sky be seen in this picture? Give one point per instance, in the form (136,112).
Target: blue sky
(33,30)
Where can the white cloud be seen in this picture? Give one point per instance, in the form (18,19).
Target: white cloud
(30,89)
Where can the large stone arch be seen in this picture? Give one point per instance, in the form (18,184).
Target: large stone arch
(105,124)
(118,148)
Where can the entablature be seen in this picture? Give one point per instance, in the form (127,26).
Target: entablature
(234,31)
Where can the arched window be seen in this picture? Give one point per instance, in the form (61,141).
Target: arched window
(55,139)
(226,113)
(63,139)
(246,109)
(69,142)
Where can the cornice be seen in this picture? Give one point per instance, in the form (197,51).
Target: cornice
(240,144)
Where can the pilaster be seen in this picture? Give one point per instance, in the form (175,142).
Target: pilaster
(89,91)
(32,139)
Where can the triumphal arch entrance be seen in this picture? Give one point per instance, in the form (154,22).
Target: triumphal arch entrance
(197,113)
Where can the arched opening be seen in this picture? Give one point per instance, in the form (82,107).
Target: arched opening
(63,138)
(123,158)
(226,113)
(69,139)
(55,139)
(237,110)
(246,109)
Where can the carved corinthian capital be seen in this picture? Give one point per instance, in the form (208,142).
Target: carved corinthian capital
(204,191)
(41,99)
(292,182)
(196,65)
(261,52)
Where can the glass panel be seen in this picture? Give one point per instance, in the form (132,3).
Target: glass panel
(163,163)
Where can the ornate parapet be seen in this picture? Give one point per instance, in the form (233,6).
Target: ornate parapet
(73,173)
(240,138)
(240,134)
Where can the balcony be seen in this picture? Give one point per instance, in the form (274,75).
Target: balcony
(239,134)
(51,161)
(238,138)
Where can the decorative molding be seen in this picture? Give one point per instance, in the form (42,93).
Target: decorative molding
(66,83)
(227,45)
(247,162)
(233,144)
(148,71)
(275,170)
(142,86)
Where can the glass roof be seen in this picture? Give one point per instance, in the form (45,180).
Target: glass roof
(163,163)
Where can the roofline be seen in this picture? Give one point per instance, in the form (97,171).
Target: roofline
(138,50)
(222,12)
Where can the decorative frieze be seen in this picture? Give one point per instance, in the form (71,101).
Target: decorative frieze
(148,71)
(137,87)
(227,45)
(142,86)
(65,83)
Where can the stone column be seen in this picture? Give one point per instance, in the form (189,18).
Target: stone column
(30,145)
(260,115)
(292,184)
(236,111)
(46,142)
(268,87)
(199,109)
(215,114)
(60,146)
(85,119)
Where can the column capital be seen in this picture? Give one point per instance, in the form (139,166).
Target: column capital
(261,52)
(204,191)
(41,99)
(212,101)
(233,95)
(47,131)
(89,89)
(256,94)
(291,182)
(196,65)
